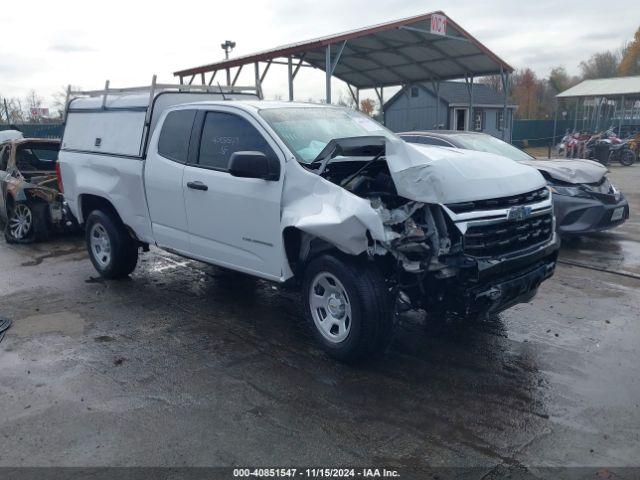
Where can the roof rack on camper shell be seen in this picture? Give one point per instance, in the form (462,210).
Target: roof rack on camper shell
(155,89)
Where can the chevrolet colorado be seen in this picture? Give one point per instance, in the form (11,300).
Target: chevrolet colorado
(317,196)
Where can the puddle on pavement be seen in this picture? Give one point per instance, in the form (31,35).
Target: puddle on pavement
(605,250)
(65,323)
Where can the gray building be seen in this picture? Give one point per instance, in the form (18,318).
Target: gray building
(416,107)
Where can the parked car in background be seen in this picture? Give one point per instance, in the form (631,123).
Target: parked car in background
(31,202)
(320,197)
(585,201)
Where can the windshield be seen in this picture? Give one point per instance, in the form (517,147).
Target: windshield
(489,144)
(307,130)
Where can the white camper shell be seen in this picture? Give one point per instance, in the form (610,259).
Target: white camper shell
(120,121)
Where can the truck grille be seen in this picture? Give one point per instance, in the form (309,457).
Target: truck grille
(503,202)
(507,236)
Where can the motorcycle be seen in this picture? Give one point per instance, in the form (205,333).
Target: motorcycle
(606,147)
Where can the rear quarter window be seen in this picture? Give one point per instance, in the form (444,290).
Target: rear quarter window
(176,135)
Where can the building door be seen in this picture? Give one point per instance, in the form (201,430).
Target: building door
(460,117)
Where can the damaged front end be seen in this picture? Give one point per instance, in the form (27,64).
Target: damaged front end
(441,250)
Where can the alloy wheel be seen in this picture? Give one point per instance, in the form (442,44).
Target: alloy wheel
(21,222)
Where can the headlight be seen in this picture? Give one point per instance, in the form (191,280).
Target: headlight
(569,191)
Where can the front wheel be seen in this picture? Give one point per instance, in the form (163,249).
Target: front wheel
(627,158)
(112,251)
(348,307)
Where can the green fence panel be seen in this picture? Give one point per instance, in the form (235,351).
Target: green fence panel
(37,130)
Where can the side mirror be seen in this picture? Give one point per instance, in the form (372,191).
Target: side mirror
(254,165)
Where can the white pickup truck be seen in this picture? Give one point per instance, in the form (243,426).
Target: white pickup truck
(318,196)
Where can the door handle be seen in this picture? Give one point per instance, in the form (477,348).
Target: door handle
(197,186)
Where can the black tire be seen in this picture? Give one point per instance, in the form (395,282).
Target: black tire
(371,319)
(37,230)
(627,158)
(123,250)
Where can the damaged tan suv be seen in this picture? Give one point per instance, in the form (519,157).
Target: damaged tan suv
(31,203)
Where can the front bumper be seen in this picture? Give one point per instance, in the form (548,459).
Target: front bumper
(520,287)
(576,215)
(493,285)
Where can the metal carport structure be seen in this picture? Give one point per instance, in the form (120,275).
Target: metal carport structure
(429,47)
(604,100)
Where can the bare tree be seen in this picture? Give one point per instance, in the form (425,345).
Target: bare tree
(600,65)
(493,81)
(33,101)
(11,110)
(60,99)
(346,100)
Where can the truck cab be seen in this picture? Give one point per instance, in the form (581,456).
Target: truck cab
(321,197)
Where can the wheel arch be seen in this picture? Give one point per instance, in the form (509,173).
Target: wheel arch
(89,202)
(302,247)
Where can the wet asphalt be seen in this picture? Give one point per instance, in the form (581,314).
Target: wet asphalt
(188,365)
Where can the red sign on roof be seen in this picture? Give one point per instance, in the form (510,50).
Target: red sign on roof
(438,24)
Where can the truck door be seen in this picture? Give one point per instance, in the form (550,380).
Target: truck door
(233,222)
(164,169)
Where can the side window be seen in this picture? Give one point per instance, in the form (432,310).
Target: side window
(224,134)
(4,158)
(433,141)
(176,134)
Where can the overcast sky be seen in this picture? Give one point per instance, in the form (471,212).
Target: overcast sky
(47,44)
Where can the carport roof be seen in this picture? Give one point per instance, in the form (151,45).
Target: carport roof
(604,87)
(392,53)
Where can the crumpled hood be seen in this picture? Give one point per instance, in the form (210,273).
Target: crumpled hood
(449,175)
(570,170)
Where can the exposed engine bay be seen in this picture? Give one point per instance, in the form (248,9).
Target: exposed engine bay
(422,247)
(416,234)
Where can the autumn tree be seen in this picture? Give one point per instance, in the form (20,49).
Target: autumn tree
(630,63)
(367,106)
(527,92)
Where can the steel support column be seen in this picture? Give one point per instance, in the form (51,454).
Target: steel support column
(555,123)
(469,81)
(290,77)
(228,77)
(621,117)
(436,87)
(330,65)
(258,84)
(328,74)
(380,94)
(504,76)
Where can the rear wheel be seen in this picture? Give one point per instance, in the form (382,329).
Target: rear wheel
(112,251)
(26,223)
(348,307)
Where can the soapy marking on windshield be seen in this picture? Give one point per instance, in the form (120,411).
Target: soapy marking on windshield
(368,124)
